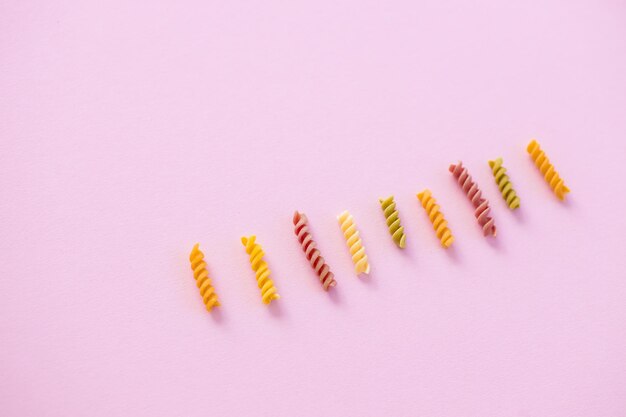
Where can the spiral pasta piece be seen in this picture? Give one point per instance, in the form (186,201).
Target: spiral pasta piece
(260,268)
(201,275)
(481,205)
(396,230)
(504,183)
(301,229)
(547,170)
(440,225)
(355,245)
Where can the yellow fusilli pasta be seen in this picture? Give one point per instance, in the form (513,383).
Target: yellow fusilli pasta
(261,270)
(440,225)
(547,170)
(201,275)
(355,245)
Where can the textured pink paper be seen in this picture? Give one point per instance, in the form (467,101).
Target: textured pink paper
(129,130)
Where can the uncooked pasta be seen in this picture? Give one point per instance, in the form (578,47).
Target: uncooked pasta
(261,270)
(354,243)
(504,183)
(309,247)
(388,205)
(440,225)
(547,170)
(481,205)
(201,275)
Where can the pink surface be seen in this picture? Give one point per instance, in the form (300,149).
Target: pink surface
(131,130)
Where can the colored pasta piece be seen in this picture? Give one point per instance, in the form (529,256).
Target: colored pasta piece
(392,217)
(301,229)
(440,225)
(261,270)
(481,205)
(354,243)
(504,183)
(547,170)
(201,275)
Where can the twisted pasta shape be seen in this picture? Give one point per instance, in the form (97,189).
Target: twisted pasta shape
(201,275)
(481,205)
(440,225)
(547,170)
(260,268)
(393,221)
(504,183)
(301,229)
(353,240)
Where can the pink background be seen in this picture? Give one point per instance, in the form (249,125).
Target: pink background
(131,130)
